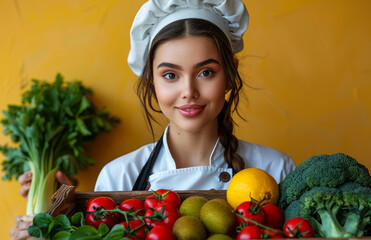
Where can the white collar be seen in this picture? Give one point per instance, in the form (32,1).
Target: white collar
(215,155)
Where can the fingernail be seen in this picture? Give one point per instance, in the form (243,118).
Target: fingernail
(28,184)
(30,174)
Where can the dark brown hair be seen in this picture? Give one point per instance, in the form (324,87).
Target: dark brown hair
(198,27)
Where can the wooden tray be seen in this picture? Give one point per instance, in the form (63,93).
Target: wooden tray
(67,201)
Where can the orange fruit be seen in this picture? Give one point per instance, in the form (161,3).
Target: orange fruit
(252,183)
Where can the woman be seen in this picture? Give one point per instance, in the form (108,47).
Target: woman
(184,55)
(183,52)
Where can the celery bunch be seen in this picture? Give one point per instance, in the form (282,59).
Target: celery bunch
(50,129)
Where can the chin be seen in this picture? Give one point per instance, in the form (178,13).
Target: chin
(191,127)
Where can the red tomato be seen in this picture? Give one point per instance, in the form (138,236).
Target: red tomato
(134,205)
(160,233)
(275,217)
(169,216)
(252,211)
(249,232)
(265,233)
(298,227)
(131,233)
(110,219)
(162,196)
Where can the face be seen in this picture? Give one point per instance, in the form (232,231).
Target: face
(190,83)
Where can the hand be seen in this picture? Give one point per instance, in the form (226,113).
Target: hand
(25,181)
(62,178)
(19,231)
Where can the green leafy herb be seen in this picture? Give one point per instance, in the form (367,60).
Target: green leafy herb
(50,128)
(61,228)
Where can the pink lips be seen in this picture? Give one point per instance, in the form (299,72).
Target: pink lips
(190,110)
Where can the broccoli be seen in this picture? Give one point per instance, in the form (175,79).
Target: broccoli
(293,210)
(333,191)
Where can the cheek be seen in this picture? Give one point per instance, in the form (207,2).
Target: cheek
(216,93)
(165,95)
(219,96)
(220,101)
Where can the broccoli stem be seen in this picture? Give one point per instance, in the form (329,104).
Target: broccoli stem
(329,226)
(356,220)
(352,224)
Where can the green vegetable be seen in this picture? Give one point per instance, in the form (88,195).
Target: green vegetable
(49,130)
(333,191)
(60,227)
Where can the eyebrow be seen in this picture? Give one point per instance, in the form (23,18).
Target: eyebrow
(170,65)
(200,64)
(210,60)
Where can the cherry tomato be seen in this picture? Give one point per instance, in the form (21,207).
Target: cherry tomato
(250,210)
(275,217)
(137,234)
(160,233)
(249,232)
(134,205)
(162,196)
(265,233)
(298,227)
(110,219)
(170,214)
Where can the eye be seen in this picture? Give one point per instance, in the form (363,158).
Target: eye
(170,76)
(206,73)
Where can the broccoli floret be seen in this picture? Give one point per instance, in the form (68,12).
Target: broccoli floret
(334,212)
(357,210)
(323,204)
(321,171)
(333,191)
(295,210)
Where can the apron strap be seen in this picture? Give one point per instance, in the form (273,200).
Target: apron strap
(141,182)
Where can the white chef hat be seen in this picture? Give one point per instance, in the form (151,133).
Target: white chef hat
(230,16)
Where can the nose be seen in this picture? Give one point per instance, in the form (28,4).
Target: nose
(190,88)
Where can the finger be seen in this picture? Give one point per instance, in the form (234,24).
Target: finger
(19,235)
(25,178)
(24,190)
(62,178)
(23,222)
(22,225)
(20,229)
(24,218)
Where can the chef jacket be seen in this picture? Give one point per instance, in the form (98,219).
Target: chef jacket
(122,173)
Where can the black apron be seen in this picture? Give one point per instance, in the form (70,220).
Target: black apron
(142,181)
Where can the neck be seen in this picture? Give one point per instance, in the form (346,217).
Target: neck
(190,149)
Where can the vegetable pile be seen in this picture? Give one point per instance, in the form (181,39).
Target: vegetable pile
(133,218)
(50,129)
(333,192)
(162,215)
(325,196)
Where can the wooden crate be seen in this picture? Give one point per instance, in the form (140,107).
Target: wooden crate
(67,201)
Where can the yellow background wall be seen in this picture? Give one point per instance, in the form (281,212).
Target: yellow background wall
(310,60)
